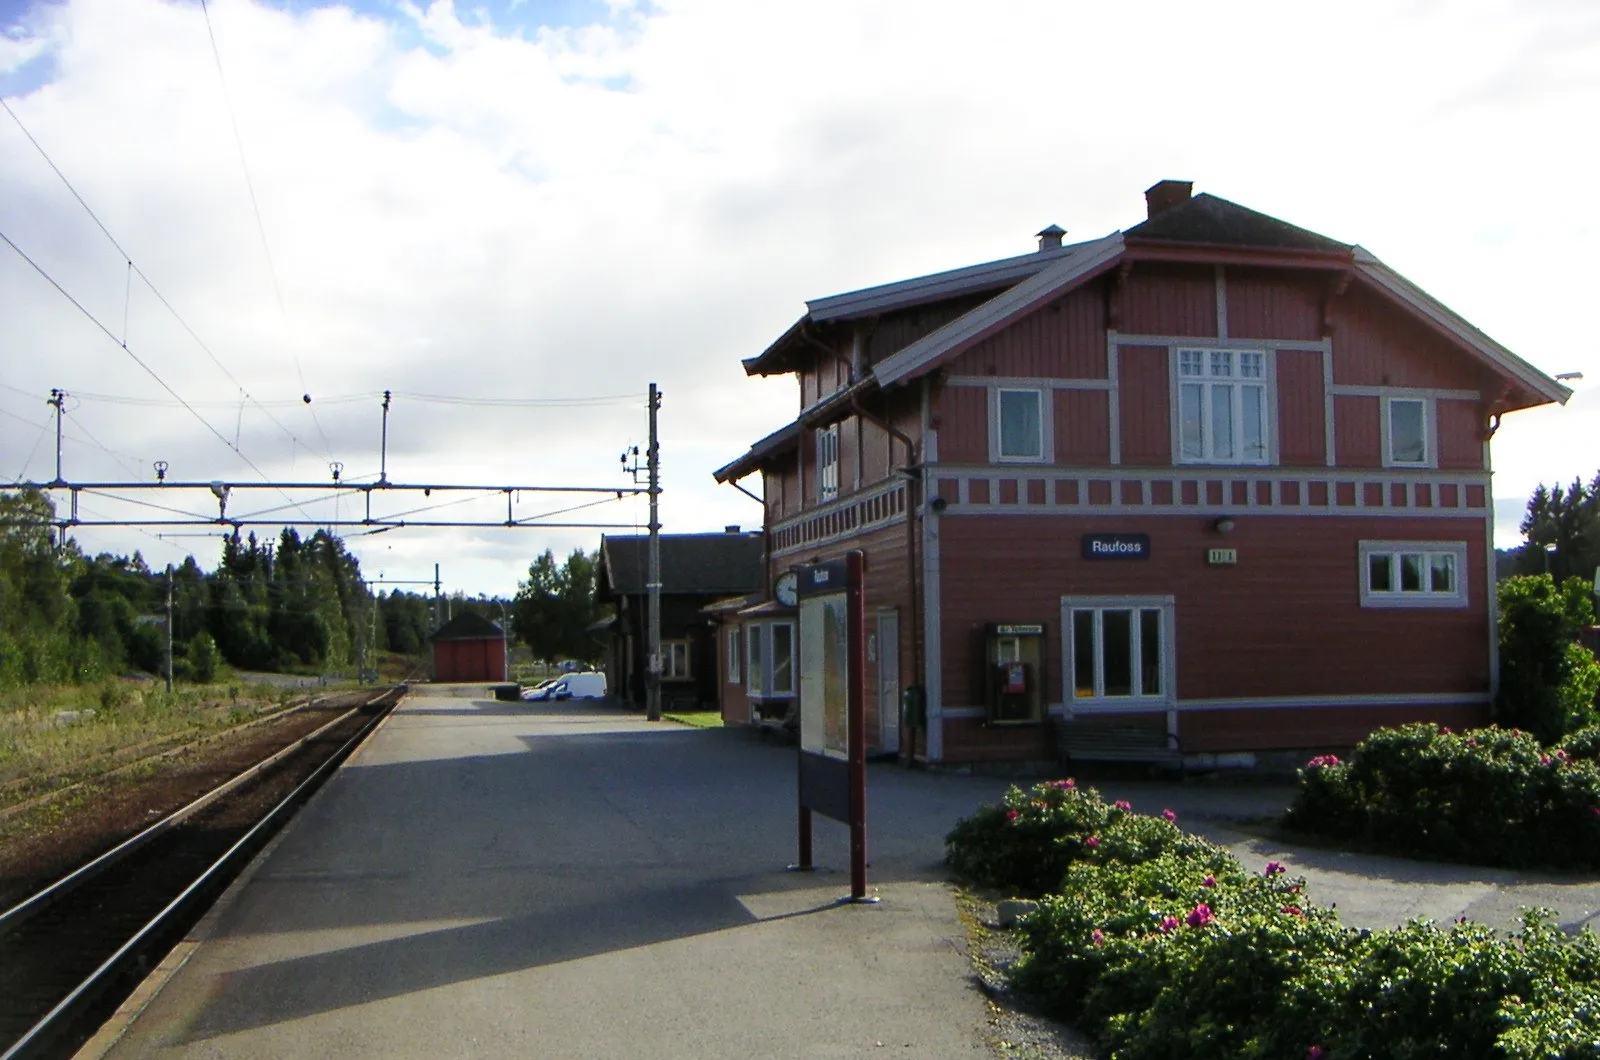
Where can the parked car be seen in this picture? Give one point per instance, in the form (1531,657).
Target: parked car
(570,666)
(590,685)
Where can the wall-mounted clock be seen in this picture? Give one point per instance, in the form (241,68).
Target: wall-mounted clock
(786,588)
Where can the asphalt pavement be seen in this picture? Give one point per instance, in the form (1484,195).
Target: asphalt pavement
(566,880)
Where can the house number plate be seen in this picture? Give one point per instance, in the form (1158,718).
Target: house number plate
(1222,557)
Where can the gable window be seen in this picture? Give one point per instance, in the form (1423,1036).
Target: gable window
(1222,408)
(828,464)
(1406,432)
(735,649)
(770,673)
(674,660)
(1413,573)
(1119,649)
(1019,424)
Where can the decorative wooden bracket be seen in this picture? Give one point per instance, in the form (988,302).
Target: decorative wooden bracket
(1119,281)
(1336,289)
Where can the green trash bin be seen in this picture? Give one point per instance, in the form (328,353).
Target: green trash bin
(914,707)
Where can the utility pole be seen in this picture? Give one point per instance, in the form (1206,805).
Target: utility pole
(383,451)
(169,629)
(58,398)
(653,580)
(438,600)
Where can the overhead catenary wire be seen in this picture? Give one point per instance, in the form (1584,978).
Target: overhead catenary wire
(134,270)
(139,361)
(255,207)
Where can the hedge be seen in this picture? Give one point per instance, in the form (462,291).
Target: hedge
(1163,945)
(1488,796)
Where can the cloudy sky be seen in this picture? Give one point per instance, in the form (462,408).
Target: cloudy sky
(518,214)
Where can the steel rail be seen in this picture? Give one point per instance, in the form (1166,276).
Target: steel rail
(31,906)
(46,1028)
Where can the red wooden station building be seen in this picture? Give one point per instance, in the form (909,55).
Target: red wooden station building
(1211,486)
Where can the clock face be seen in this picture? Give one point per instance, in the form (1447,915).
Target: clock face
(786,588)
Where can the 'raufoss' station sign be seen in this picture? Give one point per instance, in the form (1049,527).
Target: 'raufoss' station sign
(1116,546)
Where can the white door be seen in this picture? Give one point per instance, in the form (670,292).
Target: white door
(889,680)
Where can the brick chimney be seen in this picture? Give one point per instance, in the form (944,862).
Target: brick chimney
(1050,238)
(731,528)
(1164,195)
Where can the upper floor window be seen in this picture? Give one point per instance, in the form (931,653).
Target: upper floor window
(1406,426)
(1413,573)
(828,463)
(1223,402)
(1020,430)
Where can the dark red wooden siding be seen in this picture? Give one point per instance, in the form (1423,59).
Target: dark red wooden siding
(1170,300)
(1375,343)
(1273,305)
(1302,418)
(1063,340)
(1263,729)
(1357,441)
(963,423)
(1082,427)
(1461,430)
(1143,407)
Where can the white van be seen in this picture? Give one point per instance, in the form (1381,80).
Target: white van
(587,685)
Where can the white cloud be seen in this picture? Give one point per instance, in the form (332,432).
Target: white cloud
(453,209)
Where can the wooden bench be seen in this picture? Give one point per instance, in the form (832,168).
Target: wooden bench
(1114,738)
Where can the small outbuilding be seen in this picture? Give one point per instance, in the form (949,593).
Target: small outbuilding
(469,647)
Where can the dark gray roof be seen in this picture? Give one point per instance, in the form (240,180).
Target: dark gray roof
(1209,219)
(721,564)
(469,626)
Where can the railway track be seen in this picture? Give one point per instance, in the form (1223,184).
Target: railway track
(71,952)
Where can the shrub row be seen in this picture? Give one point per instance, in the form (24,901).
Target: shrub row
(1489,796)
(1162,945)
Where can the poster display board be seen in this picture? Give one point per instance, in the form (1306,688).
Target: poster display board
(831,771)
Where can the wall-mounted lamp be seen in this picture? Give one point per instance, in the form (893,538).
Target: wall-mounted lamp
(1223,524)
(1574,376)
(938,504)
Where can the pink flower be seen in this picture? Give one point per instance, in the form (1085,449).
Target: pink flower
(1200,916)
(1209,881)
(1012,815)
(1168,923)
(1092,842)
(1169,815)
(1444,730)
(1561,756)
(1097,936)
(1292,910)
(1595,810)
(1124,805)
(1323,760)
(1472,741)
(1064,785)
(1544,760)
(1314,1053)
(1274,869)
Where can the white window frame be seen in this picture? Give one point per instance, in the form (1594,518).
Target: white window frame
(670,655)
(1137,702)
(1046,451)
(761,644)
(828,463)
(1430,442)
(735,656)
(1426,597)
(1267,382)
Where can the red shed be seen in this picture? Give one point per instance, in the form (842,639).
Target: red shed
(469,648)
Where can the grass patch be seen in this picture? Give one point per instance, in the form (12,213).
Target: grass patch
(699,719)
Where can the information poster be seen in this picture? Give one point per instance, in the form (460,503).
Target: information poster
(825,674)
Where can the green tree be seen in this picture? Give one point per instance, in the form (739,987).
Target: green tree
(555,606)
(203,658)
(1543,672)
(1562,527)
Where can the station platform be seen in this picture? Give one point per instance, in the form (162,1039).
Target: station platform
(566,880)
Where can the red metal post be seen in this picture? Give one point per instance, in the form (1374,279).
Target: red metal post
(856,717)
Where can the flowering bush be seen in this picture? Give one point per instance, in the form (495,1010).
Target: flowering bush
(1162,944)
(1491,796)
(1026,843)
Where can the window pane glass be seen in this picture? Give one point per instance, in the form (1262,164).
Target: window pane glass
(782,658)
(1221,363)
(1192,438)
(1442,572)
(734,648)
(1222,421)
(1083,654)
(1251,365)
(1411,564)
(1252,424)
(1406,445)
(1191,362)
(1116,652)
(1020,433)
(753,673)
(1380,578)
(1150,652)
